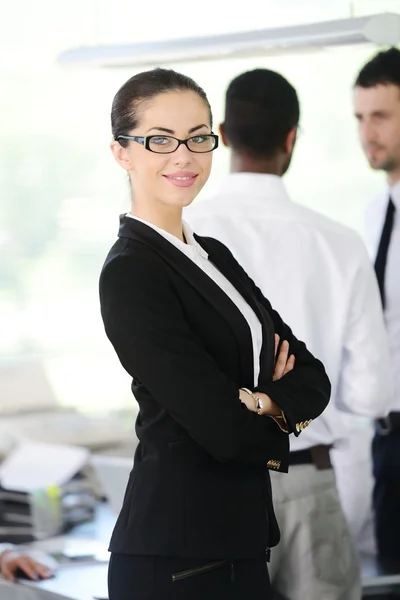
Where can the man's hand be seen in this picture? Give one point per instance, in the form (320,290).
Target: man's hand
(12,560)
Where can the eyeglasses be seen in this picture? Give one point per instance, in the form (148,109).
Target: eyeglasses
(166,144)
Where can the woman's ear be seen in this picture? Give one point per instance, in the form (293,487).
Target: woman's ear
(121,155)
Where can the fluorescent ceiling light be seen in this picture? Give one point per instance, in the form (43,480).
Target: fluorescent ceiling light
(380,29)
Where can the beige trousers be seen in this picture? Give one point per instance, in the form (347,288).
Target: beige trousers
(316,558)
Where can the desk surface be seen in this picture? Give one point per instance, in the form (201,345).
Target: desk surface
(89,581)
(74,582)
(84,581)
(79,581)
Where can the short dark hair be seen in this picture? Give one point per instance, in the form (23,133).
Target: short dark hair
(383,69)
(261,107)
(145,86)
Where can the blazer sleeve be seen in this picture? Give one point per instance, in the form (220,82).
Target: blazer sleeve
(302,394)
(145,323)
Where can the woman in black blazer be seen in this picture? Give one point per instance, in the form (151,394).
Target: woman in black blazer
(199,341)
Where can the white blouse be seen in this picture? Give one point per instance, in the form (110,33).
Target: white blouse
(199,256)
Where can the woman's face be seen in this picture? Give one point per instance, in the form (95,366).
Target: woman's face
(167,179)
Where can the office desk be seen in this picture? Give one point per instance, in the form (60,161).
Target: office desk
(84,581)
(73,582)
(76,580)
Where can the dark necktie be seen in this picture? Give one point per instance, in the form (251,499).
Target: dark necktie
(381,257)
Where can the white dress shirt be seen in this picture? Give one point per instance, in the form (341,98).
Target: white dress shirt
(199,256)
(374,219)
(318,276)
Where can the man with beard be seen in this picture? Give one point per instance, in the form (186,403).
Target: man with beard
(377,109)
(318,275)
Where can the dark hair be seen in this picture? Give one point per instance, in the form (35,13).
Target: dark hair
(145,86)
(383,69)
(261,107)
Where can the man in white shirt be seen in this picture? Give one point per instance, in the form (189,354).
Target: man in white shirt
(377,109)
(318,275)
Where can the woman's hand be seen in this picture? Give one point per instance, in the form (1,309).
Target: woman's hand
(283,363)
(12,560)
(249,400)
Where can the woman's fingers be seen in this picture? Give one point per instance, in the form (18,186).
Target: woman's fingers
(290,364)
(281,361)
(277,338)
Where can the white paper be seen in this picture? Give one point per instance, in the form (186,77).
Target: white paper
(33,465)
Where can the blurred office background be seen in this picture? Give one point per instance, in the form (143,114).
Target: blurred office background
(61,191)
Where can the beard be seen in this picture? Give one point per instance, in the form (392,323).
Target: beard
(388,163)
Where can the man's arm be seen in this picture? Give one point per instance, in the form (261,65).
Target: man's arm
(366,382)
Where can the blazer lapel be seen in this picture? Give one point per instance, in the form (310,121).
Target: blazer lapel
(202,283)
(267,357)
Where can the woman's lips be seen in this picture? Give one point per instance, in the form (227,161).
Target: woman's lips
(181,179)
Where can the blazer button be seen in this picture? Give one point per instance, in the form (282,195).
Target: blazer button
(274,464)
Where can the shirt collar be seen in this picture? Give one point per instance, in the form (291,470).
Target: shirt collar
(191,241)
(191,247)
(253,185)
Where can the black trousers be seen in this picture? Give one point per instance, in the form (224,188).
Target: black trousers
(386,498)
(161,578)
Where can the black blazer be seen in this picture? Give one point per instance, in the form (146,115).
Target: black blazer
(200,482)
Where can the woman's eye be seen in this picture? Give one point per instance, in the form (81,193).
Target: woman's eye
(160,140)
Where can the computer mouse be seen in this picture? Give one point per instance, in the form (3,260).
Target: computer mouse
(20,574)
